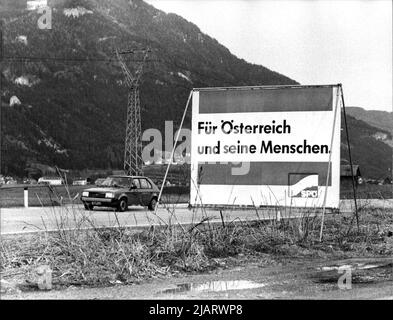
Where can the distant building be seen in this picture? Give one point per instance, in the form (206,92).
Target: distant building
(53,181)
(79,182)
(10,180)
(346,176)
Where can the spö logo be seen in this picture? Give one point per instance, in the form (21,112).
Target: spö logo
(311,192)
(303,185)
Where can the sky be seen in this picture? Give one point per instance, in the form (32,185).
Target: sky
(312,42)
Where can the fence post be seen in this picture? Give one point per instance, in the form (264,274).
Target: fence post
(26,197)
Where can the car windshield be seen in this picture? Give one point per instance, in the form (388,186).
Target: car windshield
(115,182)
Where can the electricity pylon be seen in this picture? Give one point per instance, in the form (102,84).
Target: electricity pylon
(133,143)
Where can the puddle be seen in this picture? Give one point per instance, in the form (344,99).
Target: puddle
(357,266)
(214,286)
(360,273)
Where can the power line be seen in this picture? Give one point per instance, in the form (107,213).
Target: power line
(22,59)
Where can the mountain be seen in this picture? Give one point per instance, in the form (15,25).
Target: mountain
(370,147)
(73,101)
(63,97)
(379,119)
(371,133)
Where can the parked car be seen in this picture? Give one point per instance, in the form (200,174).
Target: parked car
(120,192)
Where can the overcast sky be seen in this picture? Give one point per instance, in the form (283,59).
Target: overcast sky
(312,42)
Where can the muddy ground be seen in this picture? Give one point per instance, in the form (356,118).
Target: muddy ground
(371,278)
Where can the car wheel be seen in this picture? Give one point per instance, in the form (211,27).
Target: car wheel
(88,206)
(122,206)
(152,204)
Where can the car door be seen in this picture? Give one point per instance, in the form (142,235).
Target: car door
(134,193)
(146,191)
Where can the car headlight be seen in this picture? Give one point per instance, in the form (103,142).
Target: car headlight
(109,195)
(85,194)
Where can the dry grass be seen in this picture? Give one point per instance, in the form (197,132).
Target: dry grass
(103,256)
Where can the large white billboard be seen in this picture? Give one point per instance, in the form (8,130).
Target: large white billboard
(266,146)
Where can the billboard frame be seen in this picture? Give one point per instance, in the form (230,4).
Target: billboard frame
(198,202)
(272,87)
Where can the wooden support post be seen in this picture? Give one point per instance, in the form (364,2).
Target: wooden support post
(329,164)
(173,152)
(350,161)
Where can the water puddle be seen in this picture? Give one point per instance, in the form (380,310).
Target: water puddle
(360,272)
(356,266)
(214,286)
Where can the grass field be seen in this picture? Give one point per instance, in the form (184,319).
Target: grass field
(368,191)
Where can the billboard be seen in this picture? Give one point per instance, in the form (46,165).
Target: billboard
(266,146)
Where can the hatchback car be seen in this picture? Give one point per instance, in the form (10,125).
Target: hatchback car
(120,192)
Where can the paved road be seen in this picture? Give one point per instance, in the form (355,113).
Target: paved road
(22,220)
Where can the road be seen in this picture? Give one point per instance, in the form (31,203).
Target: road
(23,220)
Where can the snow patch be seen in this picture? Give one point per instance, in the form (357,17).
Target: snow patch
(28,81)
(22,39)
(182,75)
(76,12)
(380,136)
(106,38)
(14,101)
(23,81)
(50,143)
(62,151)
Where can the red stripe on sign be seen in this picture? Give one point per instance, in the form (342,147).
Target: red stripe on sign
(266,100)
(261,173)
